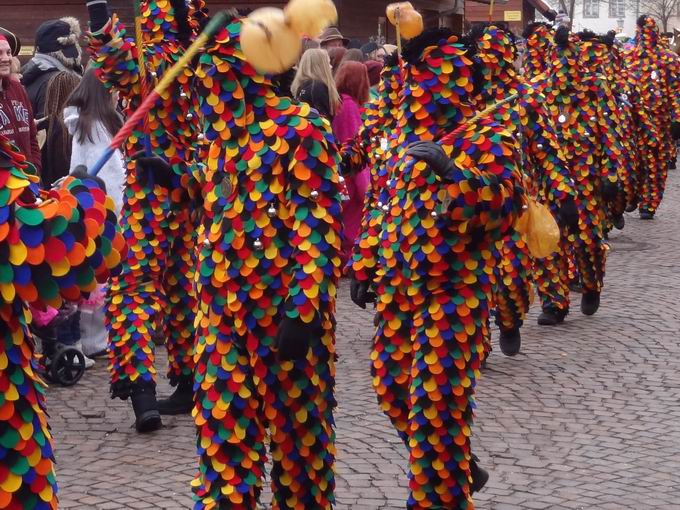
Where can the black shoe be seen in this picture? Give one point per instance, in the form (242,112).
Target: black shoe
(552,317)
(619,222)
(510,341)
(646,215)
(479,475)
(590,302)
(575,286)
(147,417)
(181,401)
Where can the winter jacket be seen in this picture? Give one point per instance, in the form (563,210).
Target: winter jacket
(16,120)
(315,93)
(36,75)
(88,152)
(56,154)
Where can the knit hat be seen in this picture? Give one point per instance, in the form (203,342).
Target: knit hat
(59,35)
(12,40)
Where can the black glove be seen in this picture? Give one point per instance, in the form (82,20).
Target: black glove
(294,337)
(359,292)
(609,190)
(434,156)
(80,172)
(153,170)
(99,14)
(568,214)
(675,130)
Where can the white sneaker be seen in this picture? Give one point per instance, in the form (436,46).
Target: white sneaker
(89,362)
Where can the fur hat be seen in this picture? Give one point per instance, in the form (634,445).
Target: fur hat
(59,36)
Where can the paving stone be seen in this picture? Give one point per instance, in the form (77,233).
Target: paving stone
(586,416)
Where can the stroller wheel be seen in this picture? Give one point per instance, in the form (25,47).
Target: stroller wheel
(67,366)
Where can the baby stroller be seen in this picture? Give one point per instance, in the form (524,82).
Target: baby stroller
(59,363)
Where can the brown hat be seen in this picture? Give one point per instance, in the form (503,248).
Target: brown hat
(332,34)
(12,40)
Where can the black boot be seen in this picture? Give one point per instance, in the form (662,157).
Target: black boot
(551,316)
(479,475)
(646,215)
(181,401)
(619,222)
(147,418)
(510,341)
(590,302)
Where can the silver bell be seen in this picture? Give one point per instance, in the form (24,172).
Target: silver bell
(539,146)
(593,118)
(434,214)
(271,212)
(385,207)
(562,118)
(314,195)
(183,95)
(190,116)
(341,180)
(201,136)
(655,75)
(153,74)
(206,242)
(257,244)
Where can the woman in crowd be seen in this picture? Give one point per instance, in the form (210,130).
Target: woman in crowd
(336,55)
(91,119)
(352,83)
(314,83)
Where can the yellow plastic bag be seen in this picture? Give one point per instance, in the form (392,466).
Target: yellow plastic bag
(539,229)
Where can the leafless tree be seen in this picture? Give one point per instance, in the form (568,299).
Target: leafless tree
(661,10)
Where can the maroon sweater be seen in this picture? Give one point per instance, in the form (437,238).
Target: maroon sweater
(16,120)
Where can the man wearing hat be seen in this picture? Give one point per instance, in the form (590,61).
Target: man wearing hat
(332,38)
(56,49)
(16,117)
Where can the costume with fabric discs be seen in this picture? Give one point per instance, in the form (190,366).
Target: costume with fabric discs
(545,173)
(655,70)
(584,111)
(268,266)
(154,292)
(54,245)
(431,268)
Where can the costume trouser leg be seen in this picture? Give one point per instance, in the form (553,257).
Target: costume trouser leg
(512,289)
(391,357)
(447,353)
(136,297)
(241,392)
(654,171)
(552,275)
(180,311)
(27,478)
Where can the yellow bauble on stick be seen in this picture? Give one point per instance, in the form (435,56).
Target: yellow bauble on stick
(268,42)
(391,10)
(410,23)
(310,17)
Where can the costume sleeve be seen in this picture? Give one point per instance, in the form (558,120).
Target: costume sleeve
(485,189)
(56,244)
(114,57)
(546,161)
(314,195)
(611,136)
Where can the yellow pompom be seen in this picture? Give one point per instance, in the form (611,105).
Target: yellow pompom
(391,10)
(268,43)
(310,17)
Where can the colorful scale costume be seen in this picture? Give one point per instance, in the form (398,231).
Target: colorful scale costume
(651,67)
(584,112)
(371,147)
(154,290)
(54,245)
(539,41)
(598,57)
(434,268)
(269,255)
(545,171)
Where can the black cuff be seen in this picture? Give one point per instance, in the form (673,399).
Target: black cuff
(99,14)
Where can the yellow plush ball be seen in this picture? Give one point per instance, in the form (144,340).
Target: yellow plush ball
(410,23)
(310,17)
(268,42)
(391,10)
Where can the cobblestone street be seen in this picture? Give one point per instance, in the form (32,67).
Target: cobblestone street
(587,416)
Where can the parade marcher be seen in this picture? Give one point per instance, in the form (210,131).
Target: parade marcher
(539,45)
(154,290)
(446,207)
(545,173)
(584,112)
(56,245)
(57,49)
(268,266)
(658,111)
